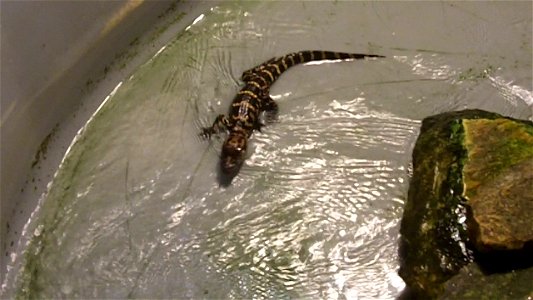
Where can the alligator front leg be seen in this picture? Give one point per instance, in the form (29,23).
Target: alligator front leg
(221,123)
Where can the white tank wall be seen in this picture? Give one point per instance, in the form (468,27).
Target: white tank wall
(53,54)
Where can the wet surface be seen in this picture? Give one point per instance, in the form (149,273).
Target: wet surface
(137,210)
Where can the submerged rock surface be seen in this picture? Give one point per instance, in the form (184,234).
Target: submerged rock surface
(473,283)
(470,199)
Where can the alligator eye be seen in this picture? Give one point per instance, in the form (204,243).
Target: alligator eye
(235,145)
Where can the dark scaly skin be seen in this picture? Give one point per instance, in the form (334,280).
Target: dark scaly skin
(254,98)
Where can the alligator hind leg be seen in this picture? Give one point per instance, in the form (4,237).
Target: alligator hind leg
(271,109)
(221,123)
(247,75)
(270,105)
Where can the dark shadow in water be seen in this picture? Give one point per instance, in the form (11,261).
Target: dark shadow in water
(225,179)
(505,261)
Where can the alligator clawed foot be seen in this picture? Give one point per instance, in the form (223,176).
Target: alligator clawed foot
(206,133)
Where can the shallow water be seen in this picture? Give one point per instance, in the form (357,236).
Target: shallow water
(136,210)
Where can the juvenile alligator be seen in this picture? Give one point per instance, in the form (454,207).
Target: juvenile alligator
(254,98)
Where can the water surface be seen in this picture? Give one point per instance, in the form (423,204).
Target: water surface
(136,210)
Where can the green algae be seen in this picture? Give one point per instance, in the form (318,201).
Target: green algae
(494,146)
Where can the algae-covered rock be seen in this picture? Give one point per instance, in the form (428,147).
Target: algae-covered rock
(471,191)
(498,177)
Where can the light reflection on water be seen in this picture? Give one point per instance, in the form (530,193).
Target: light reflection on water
(136,210)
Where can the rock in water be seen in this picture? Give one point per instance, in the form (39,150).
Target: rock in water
(471,192)
(498,181)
